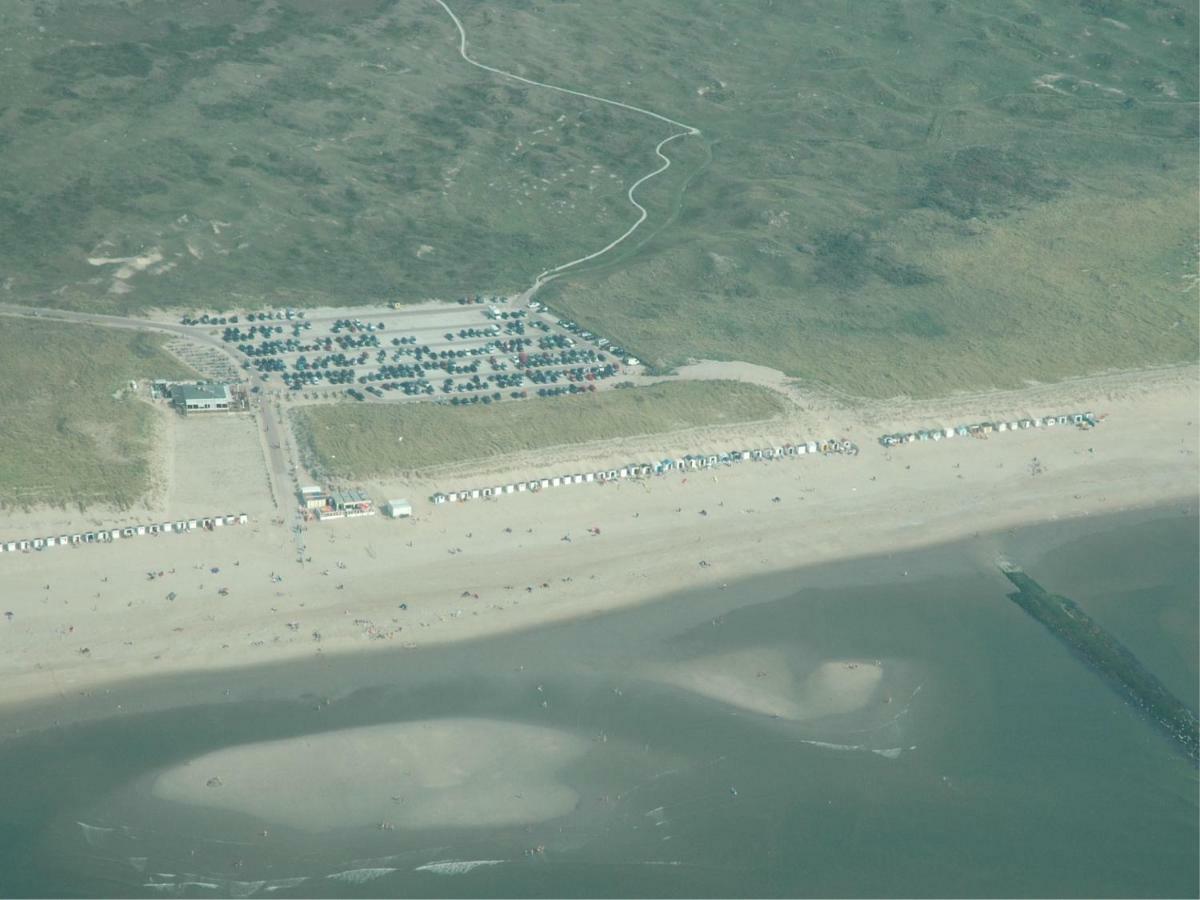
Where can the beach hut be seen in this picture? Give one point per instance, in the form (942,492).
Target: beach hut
(545,482)
(451,497)
(589,477)
(1013,426)
(64,540)
(127,532)
(510,489)
(397,509)
(949,432)
(812,446)
(10,546)
(89,537)
(22,545)
(1063,420)
(756,454)
(51,542)
(1026,423)
(76,538)
(555,481)
(487,492)
(114,534)
(522,487)
(475,493)
(1002,426)
(623,473)
(38,543)
(535,485)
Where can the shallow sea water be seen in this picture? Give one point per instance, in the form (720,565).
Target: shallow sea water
(988,762)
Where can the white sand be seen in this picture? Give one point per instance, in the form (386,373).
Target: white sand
(652,534)
(431,774)
(763,680)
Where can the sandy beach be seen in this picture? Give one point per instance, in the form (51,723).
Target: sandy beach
(82,618)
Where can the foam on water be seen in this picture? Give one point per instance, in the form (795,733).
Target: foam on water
(360,876)
(283,884)
(886,752)
(825,745)
(178,888)
(457,866)
(240,889)
(94,834)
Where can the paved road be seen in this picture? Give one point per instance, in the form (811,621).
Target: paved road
(277,437)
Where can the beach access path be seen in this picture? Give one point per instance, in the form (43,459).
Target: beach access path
(553,272)
(486,567)
(276,436)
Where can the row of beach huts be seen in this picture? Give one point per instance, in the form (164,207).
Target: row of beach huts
(108,535)
(983,429)
(687,463)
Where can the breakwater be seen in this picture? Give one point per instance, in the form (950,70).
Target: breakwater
(1105,654)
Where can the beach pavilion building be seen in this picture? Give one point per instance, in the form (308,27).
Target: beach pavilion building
(203,396)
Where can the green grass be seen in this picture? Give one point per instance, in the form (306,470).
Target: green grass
(65,439)
(891,197)
(358,441)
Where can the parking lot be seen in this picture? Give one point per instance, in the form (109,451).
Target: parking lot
(479,350)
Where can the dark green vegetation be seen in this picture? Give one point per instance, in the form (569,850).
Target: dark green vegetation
(1109,657)
(886,197)
(68,433)
(356,441)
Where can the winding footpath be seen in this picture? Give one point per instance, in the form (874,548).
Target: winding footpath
(688,131)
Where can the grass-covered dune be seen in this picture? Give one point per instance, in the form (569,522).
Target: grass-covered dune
(69,434)
(886,197)
(363,440)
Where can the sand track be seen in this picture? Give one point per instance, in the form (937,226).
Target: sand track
(688,131)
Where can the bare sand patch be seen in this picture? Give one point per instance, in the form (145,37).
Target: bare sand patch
(764,680)
(430,774)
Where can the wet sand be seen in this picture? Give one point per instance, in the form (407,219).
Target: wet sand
(83,618)
(765,680)
(430,774)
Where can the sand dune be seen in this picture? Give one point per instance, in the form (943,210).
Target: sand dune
(430,774)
